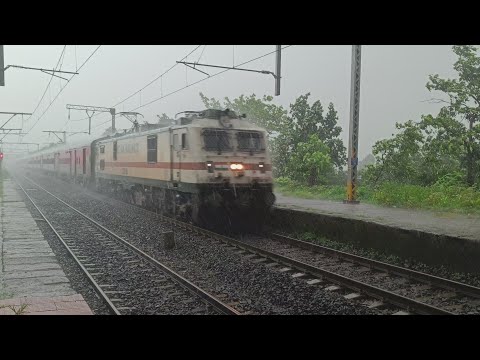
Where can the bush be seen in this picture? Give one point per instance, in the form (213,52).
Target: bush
(453,179)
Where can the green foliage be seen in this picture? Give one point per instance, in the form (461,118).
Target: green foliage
(398,158)
(456,179)
(437,197)
(310,162)
(427,150)
(433,163)
(290,187)
(458,124)
(307,120)
(259,111)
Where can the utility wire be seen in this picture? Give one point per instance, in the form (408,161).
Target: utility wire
(68,81)
(196,82)
(147,85)
(48,85)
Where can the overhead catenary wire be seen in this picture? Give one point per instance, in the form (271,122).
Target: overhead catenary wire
(48,85)
(159,77)
(194,83)
(68,81)
(204,47)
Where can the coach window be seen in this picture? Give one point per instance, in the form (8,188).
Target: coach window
(152,149)
(114,150)
(102,164)
(184,141)
(102,149)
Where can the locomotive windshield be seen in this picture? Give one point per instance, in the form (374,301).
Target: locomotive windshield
(250,141)
(216,140)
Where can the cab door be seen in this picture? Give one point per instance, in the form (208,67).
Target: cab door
(179,147)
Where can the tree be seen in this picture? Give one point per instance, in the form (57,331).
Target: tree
(311,162)
(438,146)
(309,120)
(459,119)
(261,112)
(419,154)
(398,157)
(211,103)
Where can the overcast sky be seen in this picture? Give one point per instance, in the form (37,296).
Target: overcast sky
(392,83)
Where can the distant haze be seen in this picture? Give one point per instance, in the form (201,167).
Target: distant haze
(392,82)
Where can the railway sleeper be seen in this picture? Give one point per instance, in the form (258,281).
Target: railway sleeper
(298,275)
(333,288)
(375,304)
(315,281)
(272,264)
(353,296)
(402,312)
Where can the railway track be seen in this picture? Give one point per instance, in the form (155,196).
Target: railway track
(415,293)
(450,297)
(127,279)
(442,283)
(297,259)
(361,280)
(317,276)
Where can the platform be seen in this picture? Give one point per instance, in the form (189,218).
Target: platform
(440,223)
(30,277)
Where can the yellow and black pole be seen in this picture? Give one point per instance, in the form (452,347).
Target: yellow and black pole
(354,124)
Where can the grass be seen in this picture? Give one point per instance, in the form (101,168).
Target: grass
(438,197)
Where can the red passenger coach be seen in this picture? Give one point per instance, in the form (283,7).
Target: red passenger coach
(71,161)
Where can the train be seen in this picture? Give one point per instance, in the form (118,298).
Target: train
(206,167)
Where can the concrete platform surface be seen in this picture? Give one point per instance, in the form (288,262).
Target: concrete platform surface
(29,272)
(439,223)
(58,305)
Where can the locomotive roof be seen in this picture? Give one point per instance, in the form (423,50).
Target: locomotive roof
(238,124)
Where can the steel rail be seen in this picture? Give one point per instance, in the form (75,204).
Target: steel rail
(100,292)
(210,299)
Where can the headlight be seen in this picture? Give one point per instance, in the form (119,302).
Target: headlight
(236,166)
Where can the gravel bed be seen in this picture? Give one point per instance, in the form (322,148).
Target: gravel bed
(397,284)
(440,271)
(138,287)
(255,288)
(78,281)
